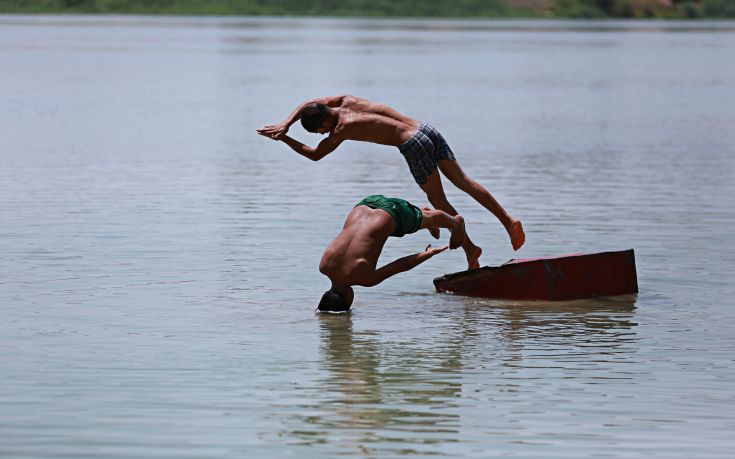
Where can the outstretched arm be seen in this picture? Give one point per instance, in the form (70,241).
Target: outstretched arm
(324,148)
(277,131)
(400,265)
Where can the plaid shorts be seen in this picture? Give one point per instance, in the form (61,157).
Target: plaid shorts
(423,151)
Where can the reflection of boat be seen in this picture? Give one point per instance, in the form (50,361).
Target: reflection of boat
(550,278)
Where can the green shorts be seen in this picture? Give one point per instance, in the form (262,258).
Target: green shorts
(408,217)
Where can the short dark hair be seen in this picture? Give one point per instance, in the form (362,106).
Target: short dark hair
(313,116)
(333,301)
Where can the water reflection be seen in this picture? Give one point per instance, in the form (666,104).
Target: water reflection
(383,392)
(581,319)
(558,334)
(377,393)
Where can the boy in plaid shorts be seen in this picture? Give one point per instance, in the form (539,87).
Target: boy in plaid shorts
(425,150)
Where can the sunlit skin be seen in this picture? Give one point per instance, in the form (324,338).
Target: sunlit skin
(352,257)
(353,118)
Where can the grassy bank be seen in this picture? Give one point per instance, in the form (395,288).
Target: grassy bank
(670,9)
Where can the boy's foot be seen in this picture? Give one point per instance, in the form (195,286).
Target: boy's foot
(517,236)
(473,257)
(433,230)
(458,233)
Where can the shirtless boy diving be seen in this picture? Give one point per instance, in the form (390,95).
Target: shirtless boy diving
(425,150)
(352,257)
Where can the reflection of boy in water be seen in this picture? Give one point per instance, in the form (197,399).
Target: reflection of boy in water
(352,256)
(423,147)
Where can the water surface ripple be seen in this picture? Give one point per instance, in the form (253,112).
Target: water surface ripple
(158,260)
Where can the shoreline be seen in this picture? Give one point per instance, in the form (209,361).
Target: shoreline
(679,14)
(553,22)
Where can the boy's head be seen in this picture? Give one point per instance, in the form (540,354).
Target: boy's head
(334,301)
(317,118)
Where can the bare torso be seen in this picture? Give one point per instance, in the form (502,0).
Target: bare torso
(354,252)
(363,120)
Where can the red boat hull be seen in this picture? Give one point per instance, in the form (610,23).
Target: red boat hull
(567,277)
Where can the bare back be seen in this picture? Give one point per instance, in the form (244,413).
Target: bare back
(366,121)
(354,253)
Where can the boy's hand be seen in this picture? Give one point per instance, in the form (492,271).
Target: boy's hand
(274,131)
(265,134)
(430,251)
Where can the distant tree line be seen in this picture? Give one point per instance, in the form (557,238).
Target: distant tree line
(484,8)
(673,9)
(389,8)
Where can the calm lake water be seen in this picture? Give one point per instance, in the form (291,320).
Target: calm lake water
(158,259)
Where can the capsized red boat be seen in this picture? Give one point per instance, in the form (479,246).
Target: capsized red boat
(567,277)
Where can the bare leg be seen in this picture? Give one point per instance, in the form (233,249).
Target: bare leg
(455,174)
(439,219)
(435,192)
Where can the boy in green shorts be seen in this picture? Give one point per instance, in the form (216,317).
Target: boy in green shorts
(352,257)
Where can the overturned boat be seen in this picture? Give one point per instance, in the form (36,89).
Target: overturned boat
(566,277)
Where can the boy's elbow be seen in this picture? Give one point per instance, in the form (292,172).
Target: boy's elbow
(317,155)
(311,154)
(369,282)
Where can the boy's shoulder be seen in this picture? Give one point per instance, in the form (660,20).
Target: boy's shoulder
(348,100)
(344,128)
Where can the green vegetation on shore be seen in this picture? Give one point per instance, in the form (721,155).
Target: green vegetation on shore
(661,9)
(669,9)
